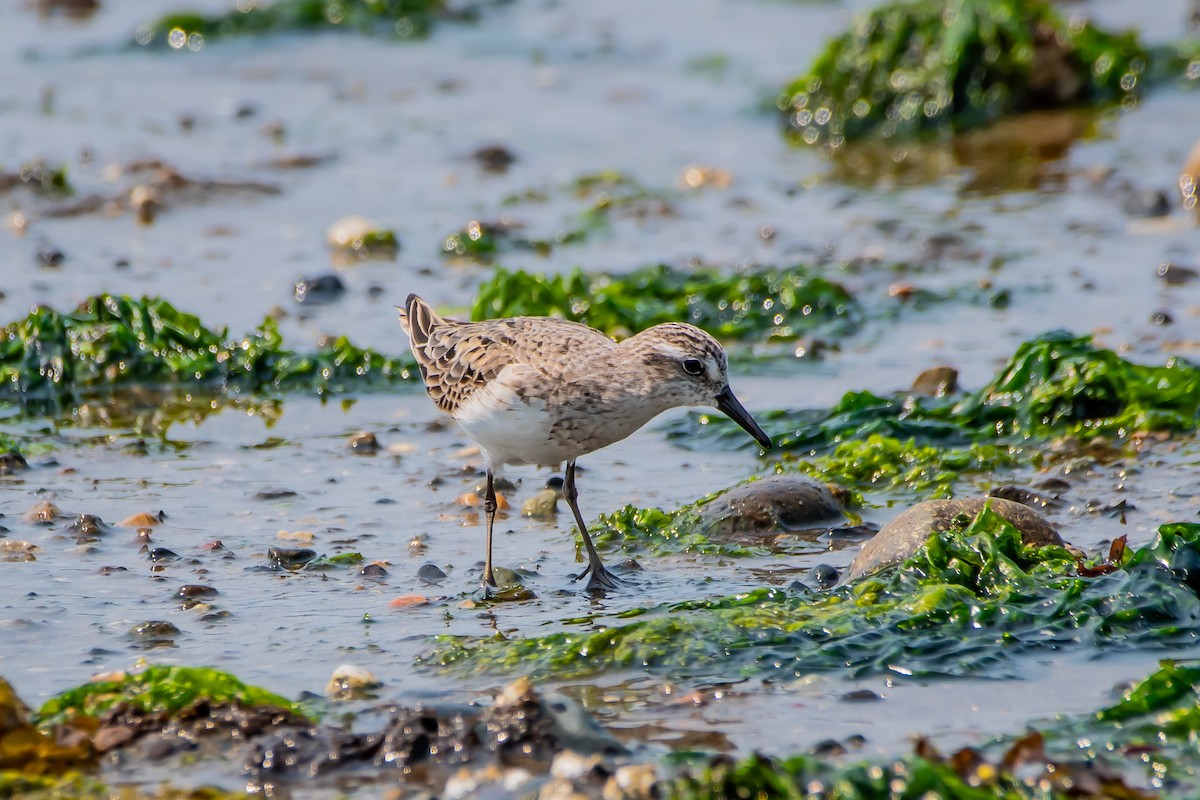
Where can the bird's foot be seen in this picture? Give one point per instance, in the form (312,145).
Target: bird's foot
(599,578)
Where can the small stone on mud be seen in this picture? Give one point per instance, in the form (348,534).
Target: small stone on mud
(50,257)
(373,570)
(823,576)
(11,462)
(192,590)
(494,158)
(431,573)
(295,536)
(1146,203)
(319,289)
(87,525)
(936,382)
(143,520)
(43,512)
(475,500)
(860,696)
(408,601)
(364,443)
(161,554)
(154,631)
(351,682)
(288,558)
(1176,274)
(275,494)
(543,505)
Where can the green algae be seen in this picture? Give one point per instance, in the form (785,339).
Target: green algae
(403,19)
(880,462)
(652,530)
(159,689)
(1057,385)
(755,304)
(113,341)
(968,602)
(907,68)
(40,177)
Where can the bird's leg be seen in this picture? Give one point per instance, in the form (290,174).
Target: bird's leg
(489,509)
(600,578)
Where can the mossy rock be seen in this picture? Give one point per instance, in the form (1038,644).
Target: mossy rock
(775,504)
(908,68)
(902,537)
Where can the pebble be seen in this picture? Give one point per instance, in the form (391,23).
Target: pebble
(364,443)
(43,512)
(543,505)
(289,558)
(143,520)
(1146,203)
(320,289)
(936,382)
(350,682)
(1175,274)
(494,158)
(373,570)
(431,573)
(192,590)
(11,462)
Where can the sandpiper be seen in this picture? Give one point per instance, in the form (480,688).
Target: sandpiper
(543,391)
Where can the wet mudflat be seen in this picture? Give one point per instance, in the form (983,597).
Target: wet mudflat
(210,176)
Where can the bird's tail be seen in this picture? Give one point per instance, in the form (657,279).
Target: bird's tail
(418,319)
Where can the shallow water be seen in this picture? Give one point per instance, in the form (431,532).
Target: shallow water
(571,89)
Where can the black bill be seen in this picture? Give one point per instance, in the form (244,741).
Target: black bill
(730,407)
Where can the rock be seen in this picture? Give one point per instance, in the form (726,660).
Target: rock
(936,382)
(321,289)
(494,158)
(44,512)
(193,590)
(1176,275)
(351,682)
(901,537)
(1146,203)
(777,503)
(543,505)
(87,528)
(11,462)
(143,520)
(823,576)
(48,256)
(290,558)
(430,573)
(154,633)
(364,443)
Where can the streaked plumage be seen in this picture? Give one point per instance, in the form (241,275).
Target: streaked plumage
(539,390)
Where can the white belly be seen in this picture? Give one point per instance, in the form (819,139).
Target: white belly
(510,430)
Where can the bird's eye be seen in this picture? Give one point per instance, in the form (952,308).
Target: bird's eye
(693,366)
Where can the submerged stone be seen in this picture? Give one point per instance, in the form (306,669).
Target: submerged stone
(901,537)
(771,505)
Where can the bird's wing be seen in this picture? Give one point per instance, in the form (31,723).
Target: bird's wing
(457,358)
